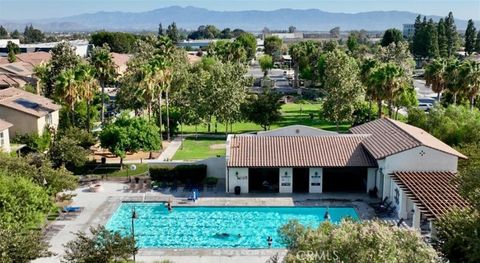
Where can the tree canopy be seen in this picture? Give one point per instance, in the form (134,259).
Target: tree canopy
(102,246)
(120,42)
(391,35)
(128,134)
(263,109)
(349,241)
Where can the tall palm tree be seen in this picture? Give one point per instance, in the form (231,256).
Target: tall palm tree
(41,72)
(452,78)
(88,86)
(102,60)
(145,78)
(365,74)
(470,80)
(164,58)
(387,81)
(66,90)
(435,76)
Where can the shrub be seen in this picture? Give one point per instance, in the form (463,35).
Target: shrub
(189,173)
(34,141)
(211,180)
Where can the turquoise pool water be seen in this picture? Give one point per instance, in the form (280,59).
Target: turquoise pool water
(214,227)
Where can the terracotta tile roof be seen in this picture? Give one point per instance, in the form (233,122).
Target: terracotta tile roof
(4,125)
(7,80)
(27,102)
(34,58)
(299,151)
(120,61)
(17,68)
(434,192)
(390,137)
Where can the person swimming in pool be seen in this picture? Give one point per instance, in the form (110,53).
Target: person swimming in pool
(169,206)
(222,235)
(269,241)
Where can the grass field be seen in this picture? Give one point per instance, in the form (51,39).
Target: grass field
(200,148)
(116,172)
(291,114)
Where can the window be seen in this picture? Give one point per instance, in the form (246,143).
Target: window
(48,119)
(2,140)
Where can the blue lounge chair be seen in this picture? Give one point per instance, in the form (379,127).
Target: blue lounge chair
(70,209)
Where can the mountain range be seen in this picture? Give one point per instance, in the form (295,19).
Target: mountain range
(192,17)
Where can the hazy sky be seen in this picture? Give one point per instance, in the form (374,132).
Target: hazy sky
(34,9)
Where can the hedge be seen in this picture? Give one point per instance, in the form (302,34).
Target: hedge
(187,174)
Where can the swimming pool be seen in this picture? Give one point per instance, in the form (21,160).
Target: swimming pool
(214,227)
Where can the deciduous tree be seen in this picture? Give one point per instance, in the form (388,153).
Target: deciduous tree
(263,109)
(273,47)
(339,75)
(266,63)
(349,241)
(102,246)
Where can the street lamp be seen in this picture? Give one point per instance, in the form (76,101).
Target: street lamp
(134,216)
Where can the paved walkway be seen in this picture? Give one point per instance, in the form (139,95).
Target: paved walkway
(171,149)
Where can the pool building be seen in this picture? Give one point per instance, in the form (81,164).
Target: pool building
(384,158)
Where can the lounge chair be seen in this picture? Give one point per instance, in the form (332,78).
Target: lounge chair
(388,212)
(381,203)
(383,208)
(70,209)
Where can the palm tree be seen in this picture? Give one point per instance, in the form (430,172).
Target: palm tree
(470,80)
(387,81)
(145,78)
(41,72)
(365,74)
(66,90)
(435,76)
(105,71)
(87,86)
(452,78)
(165,57)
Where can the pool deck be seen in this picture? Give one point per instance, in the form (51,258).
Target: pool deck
(98,207)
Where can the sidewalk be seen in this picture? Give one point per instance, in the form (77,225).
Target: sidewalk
(170,151)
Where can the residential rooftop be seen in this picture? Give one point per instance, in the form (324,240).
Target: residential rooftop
(27,102)
(299,151)
(390,137)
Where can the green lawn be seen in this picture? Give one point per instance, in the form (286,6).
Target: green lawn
(200,148)
(116,172)
(291,114)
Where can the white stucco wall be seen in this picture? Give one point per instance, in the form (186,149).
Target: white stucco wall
(237,177)
(413,160)
(371,182)
(315,184)
(285,180)
(6,141)
(417,159)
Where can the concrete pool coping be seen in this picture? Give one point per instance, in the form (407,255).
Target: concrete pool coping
(99,207)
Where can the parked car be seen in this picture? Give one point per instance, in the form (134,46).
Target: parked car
(425,106)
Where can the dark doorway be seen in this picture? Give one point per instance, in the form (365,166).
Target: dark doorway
(264,180)
(345,179)
(300,180)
